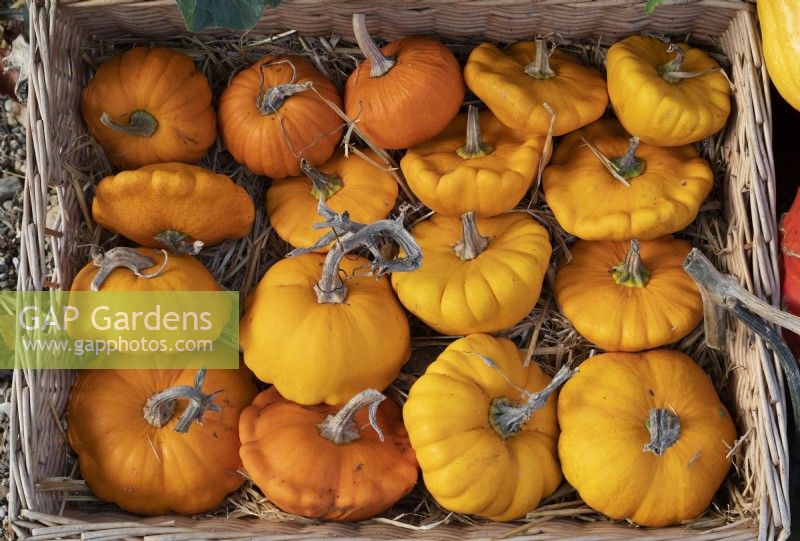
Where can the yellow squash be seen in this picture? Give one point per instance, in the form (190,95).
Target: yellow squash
(667,95)
(625,300)
(780,37)
(642,191)
(484,429)
(644,436)
(489,174)
(356,184)
(516,83)
(319,340)
(470,283)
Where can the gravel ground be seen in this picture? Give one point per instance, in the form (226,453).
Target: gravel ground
(12,174)
(12,165)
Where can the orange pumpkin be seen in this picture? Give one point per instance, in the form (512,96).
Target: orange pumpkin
(326,462)
(150,106)
(137,446)
(180,206)
(351,183)
(404,93)
(274,113)
(137,275)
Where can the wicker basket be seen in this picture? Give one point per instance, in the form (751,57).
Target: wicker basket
(59,30)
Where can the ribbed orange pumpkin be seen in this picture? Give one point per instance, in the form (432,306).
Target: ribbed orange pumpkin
(138,448)
(274,113)
(405,92)
(327,462)
(150,106)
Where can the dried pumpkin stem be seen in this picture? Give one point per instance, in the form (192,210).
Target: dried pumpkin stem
(472,243)
(128,258)
(631,272)
(475,147)
(507,417)
(380,64)
(671,71)
(140,123)
(624,168)
(341,428)
(160,407)
(540,67)
(724,291)
(273,99)
(629,166)
(350,236)
(323,185)
(179,242)
(665,430)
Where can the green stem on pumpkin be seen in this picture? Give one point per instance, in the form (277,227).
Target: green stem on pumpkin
(631,272)
(507,417)
(380,64)
(623,168)
(341,428)
(629,166)
(472,243)
(475,147)
(540,68)
(179,242)
(323,185)
(140,123)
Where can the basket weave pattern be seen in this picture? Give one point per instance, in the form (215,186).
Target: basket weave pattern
(59,30)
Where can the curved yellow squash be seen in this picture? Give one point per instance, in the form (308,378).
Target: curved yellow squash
(780,37)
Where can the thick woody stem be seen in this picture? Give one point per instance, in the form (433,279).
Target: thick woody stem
(270,101)
(540,67)
(506,417)
(341,428)
(323,185)
(273,99)
(140,123)
(179,242)
(475,147)
(724,291)
(631,272)
(672,70)
(351,235)
(380,64)
(125,257)
(160,408)
(623,168)
(629,166)
(472,243)
(666,70)
(665,430)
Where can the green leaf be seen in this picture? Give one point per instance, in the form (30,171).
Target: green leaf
(651,6)
(237,15)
